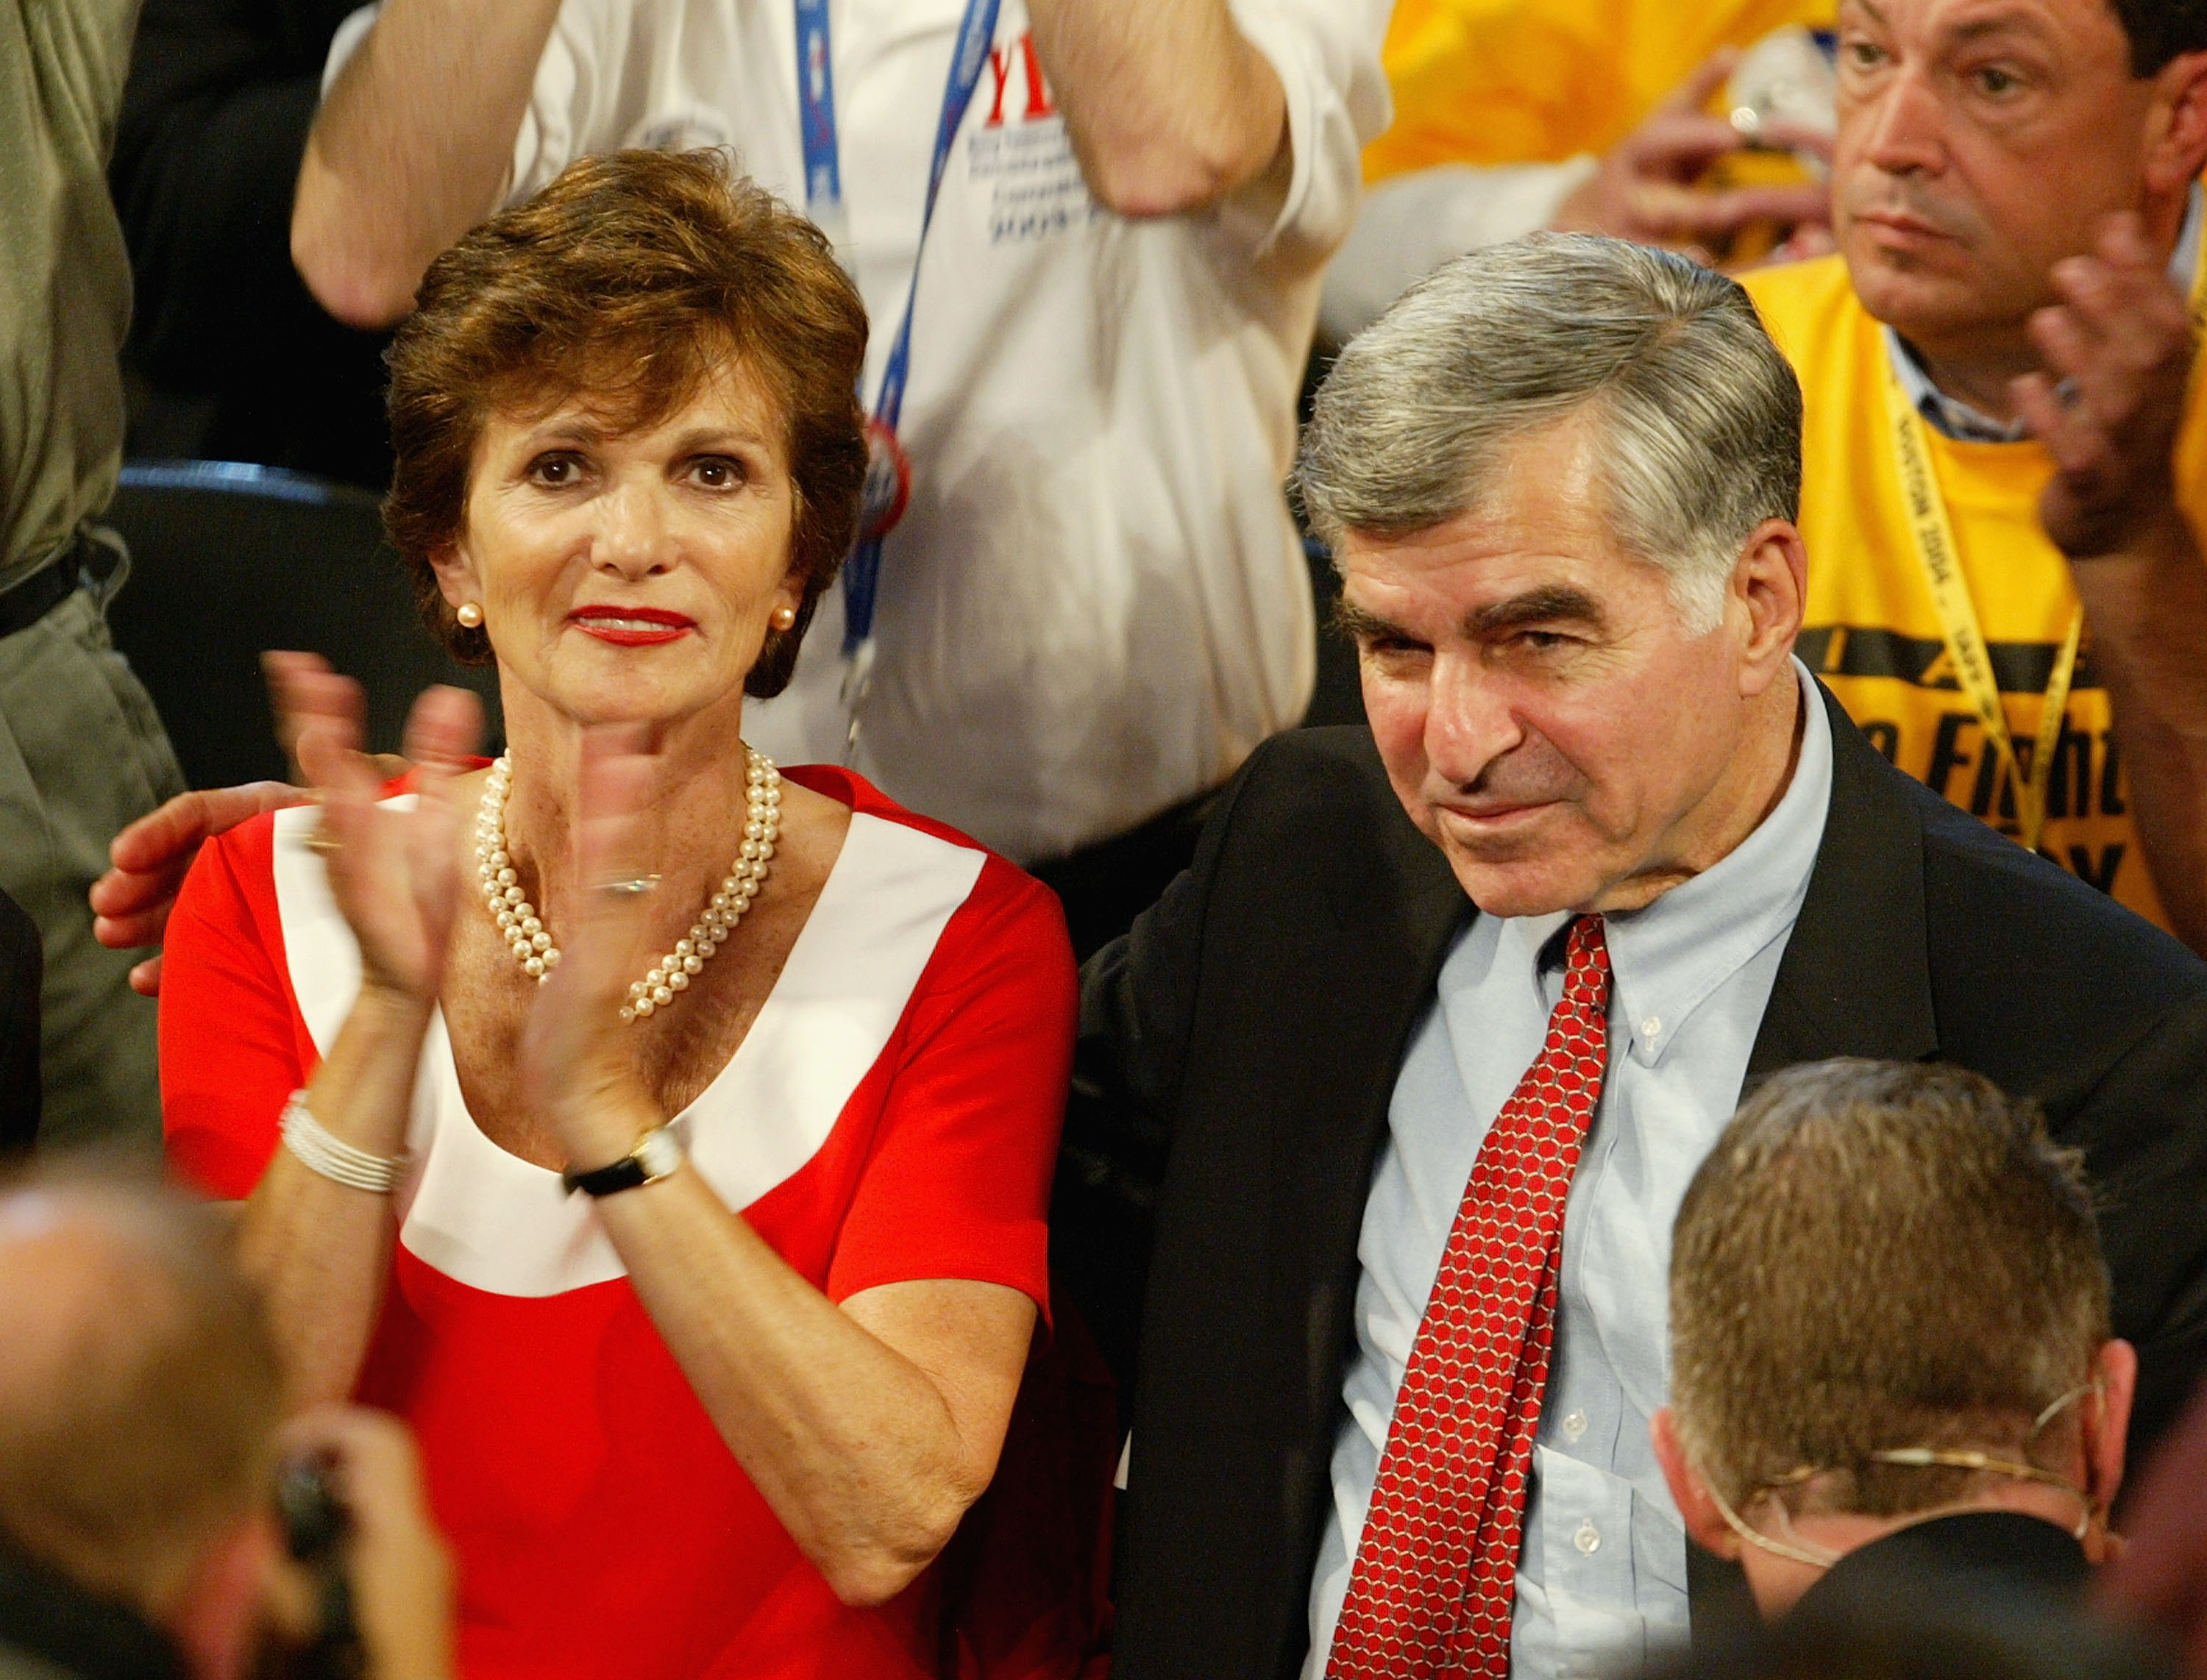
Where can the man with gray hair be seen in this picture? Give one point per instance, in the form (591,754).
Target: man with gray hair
(1426,1047)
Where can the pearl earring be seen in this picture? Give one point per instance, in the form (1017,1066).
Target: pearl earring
(470,615)
(785,618)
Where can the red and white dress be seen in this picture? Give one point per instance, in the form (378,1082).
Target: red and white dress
(891,1114)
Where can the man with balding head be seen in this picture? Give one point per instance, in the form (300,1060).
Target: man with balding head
(1449,1010)
(140,1423)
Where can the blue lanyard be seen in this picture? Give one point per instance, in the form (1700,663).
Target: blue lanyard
(824,192)
(815,112)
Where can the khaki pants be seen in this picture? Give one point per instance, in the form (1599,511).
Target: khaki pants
(82,755)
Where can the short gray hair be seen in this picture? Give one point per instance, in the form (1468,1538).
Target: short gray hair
(1703,411)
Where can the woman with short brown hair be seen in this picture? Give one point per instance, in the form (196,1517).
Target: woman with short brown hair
(627,281)
(690,1210)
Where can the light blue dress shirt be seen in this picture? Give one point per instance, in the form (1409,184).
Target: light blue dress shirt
(1957,419)
(1601,1578)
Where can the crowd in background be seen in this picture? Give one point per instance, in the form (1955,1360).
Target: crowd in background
(1312,838)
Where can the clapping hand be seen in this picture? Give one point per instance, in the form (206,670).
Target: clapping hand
(578,1063)
(394,874)
(2120,344)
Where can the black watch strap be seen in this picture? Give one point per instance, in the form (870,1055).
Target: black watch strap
(626,1174)
(655,1156)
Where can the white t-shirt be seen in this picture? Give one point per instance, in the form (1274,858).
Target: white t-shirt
(1095,605)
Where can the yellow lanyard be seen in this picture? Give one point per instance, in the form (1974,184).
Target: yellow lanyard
(1941,563)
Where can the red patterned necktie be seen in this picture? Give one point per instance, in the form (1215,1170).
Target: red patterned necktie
(1437,1570)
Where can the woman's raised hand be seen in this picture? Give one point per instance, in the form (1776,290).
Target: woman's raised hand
(578,1063)
(395,872)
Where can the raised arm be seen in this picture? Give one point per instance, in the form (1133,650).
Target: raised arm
(2121,341)
(412,148)
(320,1249)
(1171,107)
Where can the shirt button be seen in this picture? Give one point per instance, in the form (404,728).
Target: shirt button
(1589,1538)
(1651,1027)
(1574,1424)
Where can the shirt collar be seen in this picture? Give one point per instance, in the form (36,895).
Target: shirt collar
(1667,959)
(1957,419)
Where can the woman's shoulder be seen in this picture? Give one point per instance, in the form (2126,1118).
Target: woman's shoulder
(847,787)
(998,880)
(903,864)
(233,874)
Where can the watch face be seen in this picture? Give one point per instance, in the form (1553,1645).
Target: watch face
(660,1153)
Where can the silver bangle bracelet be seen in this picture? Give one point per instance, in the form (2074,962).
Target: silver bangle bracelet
(319,1152)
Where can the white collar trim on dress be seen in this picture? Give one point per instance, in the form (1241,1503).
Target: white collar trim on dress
(496,1223)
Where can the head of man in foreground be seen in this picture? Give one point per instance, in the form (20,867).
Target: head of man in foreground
(139,1405)
(1887,1305)
(141,1428)
(1560,480)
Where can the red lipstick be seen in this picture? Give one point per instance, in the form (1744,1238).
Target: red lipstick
(631,626)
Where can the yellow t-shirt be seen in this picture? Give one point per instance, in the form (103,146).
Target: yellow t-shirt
(1508,82)
(1872,631)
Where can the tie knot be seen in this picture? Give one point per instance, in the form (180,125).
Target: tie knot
(1585,964)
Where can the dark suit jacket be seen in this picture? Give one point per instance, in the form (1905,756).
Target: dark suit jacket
(1251,1026)
(1982,1563)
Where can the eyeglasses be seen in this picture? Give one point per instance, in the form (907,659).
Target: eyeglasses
(1799,1549)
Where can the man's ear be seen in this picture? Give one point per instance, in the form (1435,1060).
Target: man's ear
(1771,580)
(1705,1524)
(2106,1432)
(2176,137)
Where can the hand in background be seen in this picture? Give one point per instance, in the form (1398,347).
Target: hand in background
(1647,190)
(131,902)
(2159,1576)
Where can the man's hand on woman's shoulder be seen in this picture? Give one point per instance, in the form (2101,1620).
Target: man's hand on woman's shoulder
(130,904)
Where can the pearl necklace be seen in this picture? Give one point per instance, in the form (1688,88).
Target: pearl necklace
(523,929)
